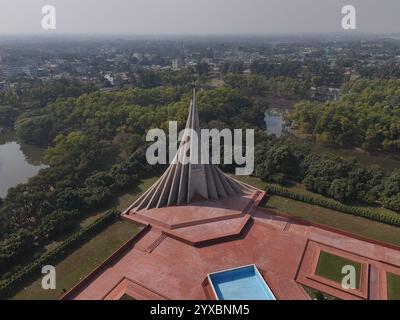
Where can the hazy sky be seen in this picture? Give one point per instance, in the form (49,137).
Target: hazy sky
(198,16)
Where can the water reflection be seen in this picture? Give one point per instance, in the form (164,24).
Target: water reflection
(274,121)
(18,162)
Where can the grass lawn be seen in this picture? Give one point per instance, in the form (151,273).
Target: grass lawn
(300,189)
(126,297)
(78,264)
(393,283)
(253,181)
(330,267)
(336,219)
(125,200)
(83,260)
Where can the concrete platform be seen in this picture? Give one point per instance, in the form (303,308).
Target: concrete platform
(179,246)
(194,213)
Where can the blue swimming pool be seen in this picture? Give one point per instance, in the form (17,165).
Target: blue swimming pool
(243,283)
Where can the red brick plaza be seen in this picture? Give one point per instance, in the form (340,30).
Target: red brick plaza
(179,245)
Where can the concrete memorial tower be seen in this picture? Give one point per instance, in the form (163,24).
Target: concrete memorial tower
(192,181)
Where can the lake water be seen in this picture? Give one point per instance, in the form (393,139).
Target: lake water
(274,121)
(18,162)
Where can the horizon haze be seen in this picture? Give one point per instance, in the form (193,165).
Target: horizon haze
(203,17)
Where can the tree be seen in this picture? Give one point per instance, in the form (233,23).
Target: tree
(340,189)
(35,130)
(202,68)
(7,115)
(58,221)
(276,162)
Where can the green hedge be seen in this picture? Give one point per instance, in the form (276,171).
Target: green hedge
(77,238)
(334,205)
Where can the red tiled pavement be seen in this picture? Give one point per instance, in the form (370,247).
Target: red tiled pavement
(166,262)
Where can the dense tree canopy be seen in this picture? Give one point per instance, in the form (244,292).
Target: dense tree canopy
(368,116)
(327,174)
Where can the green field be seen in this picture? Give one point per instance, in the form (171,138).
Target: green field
(300,189)
(393,283)
(336,219)
(79,263)
(330,267)
(254,181)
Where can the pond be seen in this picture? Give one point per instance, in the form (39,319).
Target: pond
(274,121)
(18,162)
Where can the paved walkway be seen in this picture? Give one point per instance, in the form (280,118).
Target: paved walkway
(181,245)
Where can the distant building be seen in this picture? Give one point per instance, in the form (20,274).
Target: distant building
(139,56)
(4,86)
(11,71)
(177,63)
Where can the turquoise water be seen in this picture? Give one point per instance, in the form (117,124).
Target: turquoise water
(243,283)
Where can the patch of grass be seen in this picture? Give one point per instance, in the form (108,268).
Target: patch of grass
(301,189)
(393,284)
(125,200)
(77,265)
(82,261)
(330,267)
(253,181)
(126,297)
(336,219)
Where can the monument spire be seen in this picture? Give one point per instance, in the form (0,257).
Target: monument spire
(183,183)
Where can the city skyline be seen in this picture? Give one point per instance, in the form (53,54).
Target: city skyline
(179,17)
